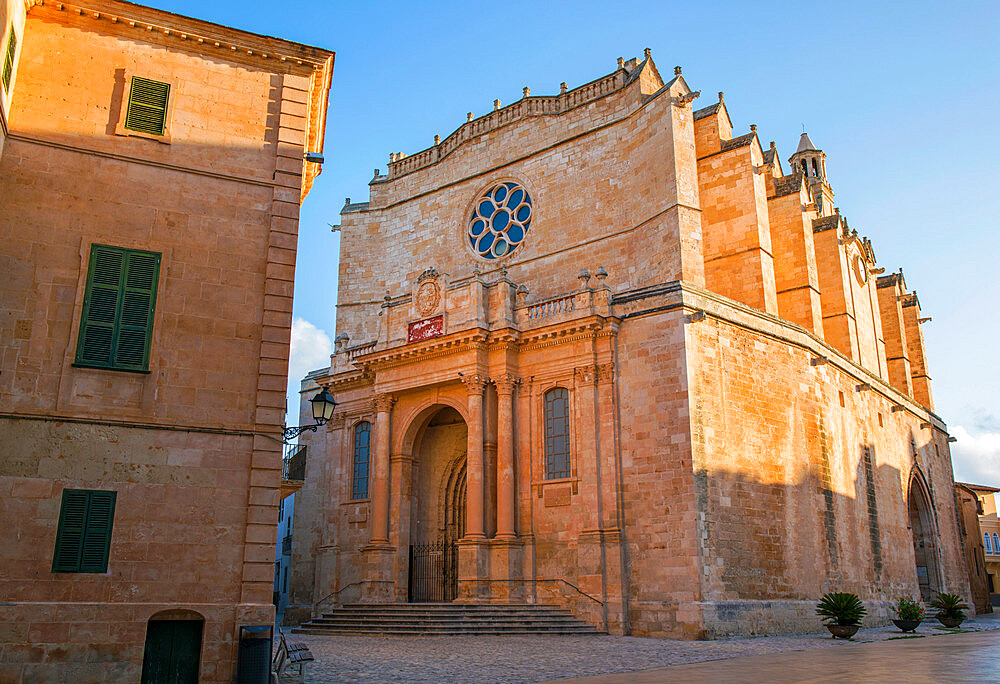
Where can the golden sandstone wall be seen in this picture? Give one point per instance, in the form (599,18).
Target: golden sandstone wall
(740,443)
(192,447)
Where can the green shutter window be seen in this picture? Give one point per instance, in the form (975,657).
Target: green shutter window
(8,58)
(118,308)
(147,106)
(83,539)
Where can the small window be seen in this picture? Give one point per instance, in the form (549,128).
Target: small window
(147,106)
(118,308)
(557,433)
(996,543)
(83,539)
(986,542)
(8,58)
(362,441)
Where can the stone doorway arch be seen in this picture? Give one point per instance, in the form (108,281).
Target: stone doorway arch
(438,505)
(925,538)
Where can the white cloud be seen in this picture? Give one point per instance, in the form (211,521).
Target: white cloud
(976,458)
(311,349)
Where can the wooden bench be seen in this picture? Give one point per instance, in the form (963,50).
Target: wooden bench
(291,653)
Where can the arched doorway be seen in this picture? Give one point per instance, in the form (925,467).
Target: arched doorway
(437,518)
(172,652)
(924,540)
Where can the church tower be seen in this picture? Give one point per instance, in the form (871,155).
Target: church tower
(810,161)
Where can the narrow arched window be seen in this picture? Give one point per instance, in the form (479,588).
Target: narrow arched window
(557,433)
(362,440)
(986,542)
(996,543)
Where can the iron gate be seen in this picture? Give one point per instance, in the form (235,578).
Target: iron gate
(433,572)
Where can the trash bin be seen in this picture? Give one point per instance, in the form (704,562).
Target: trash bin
(253,660)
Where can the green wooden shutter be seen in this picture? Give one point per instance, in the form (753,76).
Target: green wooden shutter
(8,58)
(83,539)
(118,308)
(97,533)
(138,299)
(69,537)
(100,306)
(147,106)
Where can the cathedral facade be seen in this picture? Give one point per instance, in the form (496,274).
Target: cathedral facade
(597,349)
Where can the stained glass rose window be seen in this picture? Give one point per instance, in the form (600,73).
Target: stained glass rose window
(500,220)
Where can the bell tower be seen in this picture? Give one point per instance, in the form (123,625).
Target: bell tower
(810,161)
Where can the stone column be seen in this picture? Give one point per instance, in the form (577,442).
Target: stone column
(380,496)
(506,385)
(474,527)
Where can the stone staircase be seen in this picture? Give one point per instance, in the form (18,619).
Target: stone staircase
(445,619)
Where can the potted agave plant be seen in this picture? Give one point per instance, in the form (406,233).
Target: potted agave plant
(951,610)
(909,613)
(842,613)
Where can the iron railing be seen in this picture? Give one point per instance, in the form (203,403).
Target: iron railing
(293,465)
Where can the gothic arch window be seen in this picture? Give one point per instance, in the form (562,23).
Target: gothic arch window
(362,452)
(500,220)
(996,543)
(986,542)
(556,402)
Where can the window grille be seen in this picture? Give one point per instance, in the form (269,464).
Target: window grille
(362,442)
(557,433)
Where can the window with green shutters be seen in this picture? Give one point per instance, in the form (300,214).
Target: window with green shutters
(147,106)
(84,536)
(118,309)
(8,58)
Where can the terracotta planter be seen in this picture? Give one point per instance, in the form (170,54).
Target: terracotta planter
(950,622)
(907,625)
(843,631)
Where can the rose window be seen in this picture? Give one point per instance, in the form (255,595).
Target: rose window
(500,220)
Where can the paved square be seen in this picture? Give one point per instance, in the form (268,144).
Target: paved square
(541,658)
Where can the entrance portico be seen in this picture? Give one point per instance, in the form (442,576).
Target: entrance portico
(430,442)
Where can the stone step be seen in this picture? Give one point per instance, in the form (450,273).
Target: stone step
(465,619)
(441,619)
(496,632)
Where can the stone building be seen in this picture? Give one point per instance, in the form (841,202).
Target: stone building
(598,348)
(970,507)
(989,528)
(151,176)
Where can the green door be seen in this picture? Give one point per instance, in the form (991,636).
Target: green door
(173,649)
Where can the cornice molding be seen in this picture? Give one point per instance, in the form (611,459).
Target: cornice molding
(195,35)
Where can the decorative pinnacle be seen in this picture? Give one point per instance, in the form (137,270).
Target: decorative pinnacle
(468,117)
(584,276)
(496,104)
(621,62)
(753,128)
(562,88)
(347,200)
(721,96)
(437,139)
(646,53)
(772,145)
(525,91)
(677,71)
(601,273)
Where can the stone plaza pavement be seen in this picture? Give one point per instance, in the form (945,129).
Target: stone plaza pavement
(873,655)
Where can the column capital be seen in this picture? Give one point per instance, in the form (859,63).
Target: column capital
(384,402)
(586,374)
(336,421)
(606,371)
(475,384)
(507,383)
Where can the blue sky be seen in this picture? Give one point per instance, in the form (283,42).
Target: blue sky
(902,97)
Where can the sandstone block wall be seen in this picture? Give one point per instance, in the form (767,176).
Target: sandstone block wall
(192,446)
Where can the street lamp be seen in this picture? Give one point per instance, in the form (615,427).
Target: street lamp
(322,410)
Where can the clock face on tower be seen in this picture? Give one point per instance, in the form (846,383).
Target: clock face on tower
(500,220)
